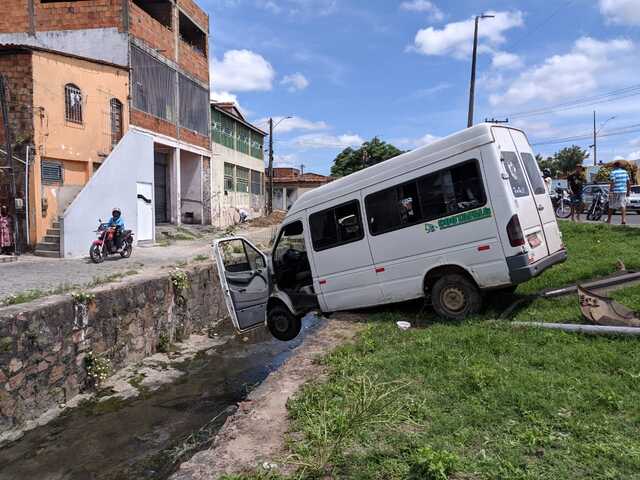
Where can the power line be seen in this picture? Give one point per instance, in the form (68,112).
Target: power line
(536,27)
(587,136)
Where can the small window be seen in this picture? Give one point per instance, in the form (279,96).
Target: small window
(516,175)
(229,183)
(336,226)
(51,172)
(256,182)
(242,179)
(535,177)
(439,194)
(116,121)
(73,103)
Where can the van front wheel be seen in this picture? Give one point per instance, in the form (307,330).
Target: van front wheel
(283,324)
(455,297)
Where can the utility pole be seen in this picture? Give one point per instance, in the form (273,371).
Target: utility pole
(472,88)
(595,145)
(270,199)
(9,150)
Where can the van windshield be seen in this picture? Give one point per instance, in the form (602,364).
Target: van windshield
(516,175)
(533,173)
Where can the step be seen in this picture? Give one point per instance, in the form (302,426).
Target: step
(55,224)
(52,239)
(45,253)
(48,246)
(53,232)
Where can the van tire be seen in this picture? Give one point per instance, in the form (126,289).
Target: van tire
(455,297)
(282,324)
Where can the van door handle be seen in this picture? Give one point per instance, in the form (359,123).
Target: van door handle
(540,207)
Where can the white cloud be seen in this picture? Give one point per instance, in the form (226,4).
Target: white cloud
(319,141)
(411,143)
(590,64)
(633,155)
(456,38)
(435,14)
(221,96)
(288,160)
(295,82)
(241,71)
(299,8)
(622,12)
(427,139)
(506,60)
(294,123)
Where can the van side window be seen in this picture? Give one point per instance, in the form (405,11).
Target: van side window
(516,175)
(336,226)
(439,194)
(535,177)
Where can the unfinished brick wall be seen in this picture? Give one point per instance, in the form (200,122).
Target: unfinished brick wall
(15,16)
(18,73)
(152,32)
(77,15)
(188,136)
(193,62)
(196,14)
(155,124)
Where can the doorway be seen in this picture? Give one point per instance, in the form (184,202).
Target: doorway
(161,186)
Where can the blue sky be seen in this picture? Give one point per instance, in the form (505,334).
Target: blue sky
(349,70)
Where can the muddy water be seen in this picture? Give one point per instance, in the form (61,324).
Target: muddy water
(141,438)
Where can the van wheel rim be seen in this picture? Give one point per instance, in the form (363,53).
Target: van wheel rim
(453,299)
(280,323)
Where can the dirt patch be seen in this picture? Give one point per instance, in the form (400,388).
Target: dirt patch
(276,218)
(255,433)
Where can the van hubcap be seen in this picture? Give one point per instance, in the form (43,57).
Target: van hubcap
(280,323)
(453,299)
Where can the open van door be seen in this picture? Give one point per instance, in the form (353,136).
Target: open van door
(245,280)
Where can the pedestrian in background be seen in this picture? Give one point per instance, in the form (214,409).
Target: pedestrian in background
(576,183)
(6,235)
(619,189)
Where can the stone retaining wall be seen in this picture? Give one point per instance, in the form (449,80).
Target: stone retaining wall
(43,344)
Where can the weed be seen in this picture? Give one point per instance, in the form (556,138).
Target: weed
(83,297)
(23,297)
(180,282)
(200,258)
(430,464)
(98,368)
(164,343)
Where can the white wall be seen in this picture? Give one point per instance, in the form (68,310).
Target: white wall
(191,185)
(114,184)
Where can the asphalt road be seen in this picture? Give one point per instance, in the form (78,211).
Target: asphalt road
(632,219)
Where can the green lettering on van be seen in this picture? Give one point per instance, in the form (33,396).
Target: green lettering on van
(466,217)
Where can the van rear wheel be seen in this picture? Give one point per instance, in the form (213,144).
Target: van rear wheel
(455,297)
(282,323)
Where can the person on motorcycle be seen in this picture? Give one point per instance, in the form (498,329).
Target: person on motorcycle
(117,222)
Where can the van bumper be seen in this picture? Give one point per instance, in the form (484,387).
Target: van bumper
(520,270)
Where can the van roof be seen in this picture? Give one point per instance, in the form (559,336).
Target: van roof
(454,144)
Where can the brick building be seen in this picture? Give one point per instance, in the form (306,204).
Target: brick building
(290,183)
(163,44)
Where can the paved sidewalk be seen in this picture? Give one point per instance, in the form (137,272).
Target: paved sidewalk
(46,274)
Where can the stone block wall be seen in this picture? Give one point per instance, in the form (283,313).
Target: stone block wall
(44,344)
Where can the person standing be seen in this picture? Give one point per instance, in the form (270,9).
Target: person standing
(576,183)
(546,176)
(6,236)
(619,189)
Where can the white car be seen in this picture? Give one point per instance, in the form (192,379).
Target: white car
(633,202)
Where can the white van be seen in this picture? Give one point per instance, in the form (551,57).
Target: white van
(448,221)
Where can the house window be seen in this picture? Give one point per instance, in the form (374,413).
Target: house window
(73,103)
(256,182)
(242,179)
(336,226)
(50,172)
(440,194)
(116,121)
(257,141)
(228,177)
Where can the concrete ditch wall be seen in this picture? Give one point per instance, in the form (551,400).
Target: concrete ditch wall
(43,344)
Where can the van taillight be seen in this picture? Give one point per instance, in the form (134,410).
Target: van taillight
(514,232)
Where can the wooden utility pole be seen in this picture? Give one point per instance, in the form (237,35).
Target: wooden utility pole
(472,87)
(9,149)
(595,145)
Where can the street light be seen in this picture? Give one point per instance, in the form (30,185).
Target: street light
(595,136)
(271,128)
(472,88)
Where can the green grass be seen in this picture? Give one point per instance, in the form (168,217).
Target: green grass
(593,252)
(479,400)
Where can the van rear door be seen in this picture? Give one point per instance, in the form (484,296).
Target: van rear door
(543,201)
(525,201)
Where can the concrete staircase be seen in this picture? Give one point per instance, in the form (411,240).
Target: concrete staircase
(50,245)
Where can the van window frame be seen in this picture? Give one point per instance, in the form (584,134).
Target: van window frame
(415,180)
(340,242)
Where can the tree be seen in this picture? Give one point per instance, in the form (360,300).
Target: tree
(569,158)
(370,153)
(604,172)
(549,163)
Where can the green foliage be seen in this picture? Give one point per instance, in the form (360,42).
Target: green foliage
(180,282)
(569,158)
(98,368)
(83,297)
(164,343)
(549,163)
(430,464)
(200,258)
(370,153)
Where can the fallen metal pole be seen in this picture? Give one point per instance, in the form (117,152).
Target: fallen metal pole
(577,328)
(594,285)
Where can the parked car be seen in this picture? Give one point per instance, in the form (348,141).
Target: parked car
(589,191)
(634,199)
(448,221)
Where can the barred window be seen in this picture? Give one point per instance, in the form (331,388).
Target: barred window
(257,141)
(50,172)
(216,125)
(228,132)
(116,121)
(228,177)
(193,106)
(256,182)
(242,179)
(243,139)
(73,103)
(153,86)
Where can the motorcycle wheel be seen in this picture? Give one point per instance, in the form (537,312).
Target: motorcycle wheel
(563,210)
(126,251)
(95,252)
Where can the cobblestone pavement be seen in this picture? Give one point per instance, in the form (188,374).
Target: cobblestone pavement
(46,274)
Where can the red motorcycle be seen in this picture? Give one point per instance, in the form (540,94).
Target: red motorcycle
(105,245)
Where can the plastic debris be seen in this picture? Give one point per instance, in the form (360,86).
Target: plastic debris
(403,325)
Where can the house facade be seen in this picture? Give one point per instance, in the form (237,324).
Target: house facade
(290,183)
(161,46)
(238,159)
